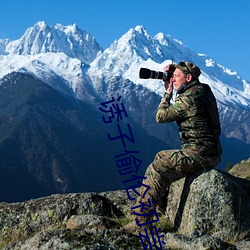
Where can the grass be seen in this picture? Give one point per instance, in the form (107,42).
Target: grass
(15,236)
(238,237)
(124,220)
(164,224)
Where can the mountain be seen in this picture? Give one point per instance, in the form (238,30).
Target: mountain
(44,137)
(53,81)
(137,49)
(53,143)
(41,38)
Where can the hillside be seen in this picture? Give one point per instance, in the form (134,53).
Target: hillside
(52,143)
(47,141)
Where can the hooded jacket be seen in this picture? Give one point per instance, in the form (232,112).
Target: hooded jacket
(196,113)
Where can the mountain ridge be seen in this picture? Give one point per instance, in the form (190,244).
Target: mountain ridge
(146,51)
(42,38)
(55,143)
(78,133)
(124,57)
(87,81)
(40,137)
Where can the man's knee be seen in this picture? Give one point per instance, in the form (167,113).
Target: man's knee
(164,155)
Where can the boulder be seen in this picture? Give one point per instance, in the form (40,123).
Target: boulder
(209,210)
(241,169)
(210,202)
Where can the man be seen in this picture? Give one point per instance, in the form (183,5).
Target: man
(195,111)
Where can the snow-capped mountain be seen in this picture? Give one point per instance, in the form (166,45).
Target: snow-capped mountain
(64,73)
(50,136)
(67,51)
(137,49)
(72,62)
(70,40)
(51,53)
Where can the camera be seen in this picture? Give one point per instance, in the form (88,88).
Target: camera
(145,73)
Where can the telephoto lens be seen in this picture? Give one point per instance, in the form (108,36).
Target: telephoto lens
(145,73)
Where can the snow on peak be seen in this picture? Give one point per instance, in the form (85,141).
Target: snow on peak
(132,48)
(56,69)
(167,39)
(3,44)
(45,48)
(136,49)
(41,24)
(140,29)
(42,38)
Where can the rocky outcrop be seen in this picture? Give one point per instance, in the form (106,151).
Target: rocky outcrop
(211,202)
(209,210)
(241,169)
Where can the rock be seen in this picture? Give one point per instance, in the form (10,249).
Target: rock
(212,202)
(243,245)
(241,169)
(209,210)
(21,220)
(91,221)
(178,241)
(63,239)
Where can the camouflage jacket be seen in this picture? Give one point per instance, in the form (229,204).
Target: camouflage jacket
(196,113)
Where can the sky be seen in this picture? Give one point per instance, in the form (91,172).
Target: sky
(218,28)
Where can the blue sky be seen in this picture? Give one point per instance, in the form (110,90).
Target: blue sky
(218,28)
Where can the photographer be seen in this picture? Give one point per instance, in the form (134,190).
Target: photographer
(195,111)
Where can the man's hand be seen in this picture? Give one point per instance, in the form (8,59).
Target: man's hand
(168,85)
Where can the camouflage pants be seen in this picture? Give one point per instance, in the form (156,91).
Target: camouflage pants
(167,167)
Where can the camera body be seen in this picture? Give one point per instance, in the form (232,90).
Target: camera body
(146,73)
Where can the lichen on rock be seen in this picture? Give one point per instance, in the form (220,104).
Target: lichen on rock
(209,210)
